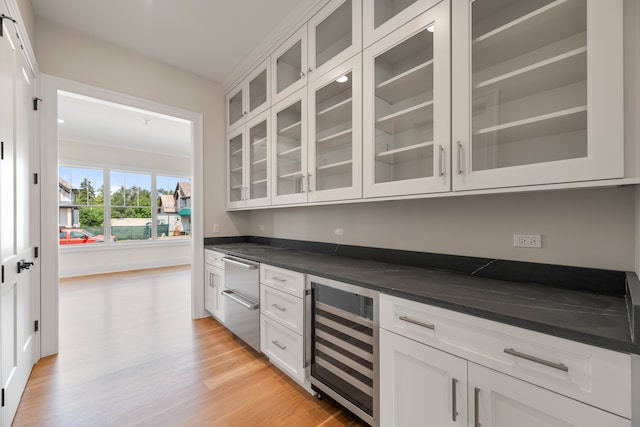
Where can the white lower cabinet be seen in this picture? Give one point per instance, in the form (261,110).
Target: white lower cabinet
(213,284)
(496,399)
(420,385)
(282,321)
(442,368)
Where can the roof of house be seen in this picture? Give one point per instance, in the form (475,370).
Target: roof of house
(183,189)
(65,185)
(168,203)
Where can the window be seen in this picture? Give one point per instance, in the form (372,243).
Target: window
(139,207)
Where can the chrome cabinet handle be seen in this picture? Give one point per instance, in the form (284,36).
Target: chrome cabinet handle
(277,307)
(441,164)
(454,410)
(240,264)
(280,346)
(304,183)
(279,279)
(417,322)
(560,366)
(459,158)
(476,402)
(243,301)
(309,183)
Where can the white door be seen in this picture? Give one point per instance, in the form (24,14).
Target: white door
(420,385)
(496,399)
(16,191)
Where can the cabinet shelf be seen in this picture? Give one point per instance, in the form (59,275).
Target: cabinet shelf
(289,175)
(292,129)
(260,181)
(406,118)
(259,141)
(559,70)
(236,152)
(341,136)
(403,86)
(288,153)
(236,170)
(236,187)
(338,112)
(569,120)
(552,22)
(335,165)
(401,154)
(259,162)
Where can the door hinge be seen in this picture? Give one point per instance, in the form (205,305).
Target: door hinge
(36,252)
(35,103)
(36,325)
(35,179)
(1,150)
(3,398)
(2,275)
(2,18)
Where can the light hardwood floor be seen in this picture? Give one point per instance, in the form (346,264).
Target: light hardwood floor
(130,355)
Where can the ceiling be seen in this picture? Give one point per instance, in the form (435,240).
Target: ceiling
(210,38)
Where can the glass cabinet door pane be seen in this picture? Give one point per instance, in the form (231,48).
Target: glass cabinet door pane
(235,168)
(258,90)
(289,67)
(289,150)
(404,110)
(334,136)
(529,96)
(235,108)
(258,160)
(387,9)
(334,34)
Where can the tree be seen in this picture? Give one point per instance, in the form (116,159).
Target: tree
(86,194)
(91,217)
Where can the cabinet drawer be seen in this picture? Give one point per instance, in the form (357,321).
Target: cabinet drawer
(282,307)
(590,374)
(283,347)
(288,281)
(213,258)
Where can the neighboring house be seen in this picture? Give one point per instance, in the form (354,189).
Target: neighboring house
(69,213)
(182,198)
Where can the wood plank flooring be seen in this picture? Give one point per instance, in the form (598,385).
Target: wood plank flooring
(130,355)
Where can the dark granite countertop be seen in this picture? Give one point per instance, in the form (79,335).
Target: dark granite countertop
(583,316)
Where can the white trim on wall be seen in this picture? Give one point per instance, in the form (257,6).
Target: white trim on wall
(50,271)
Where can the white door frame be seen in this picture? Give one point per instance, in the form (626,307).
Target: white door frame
(50,85)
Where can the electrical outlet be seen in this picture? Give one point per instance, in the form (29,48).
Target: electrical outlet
(216,228)
(338,232)
(261,227)
(527,240)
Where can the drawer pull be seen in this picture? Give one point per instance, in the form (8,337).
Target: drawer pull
(417,322)
(560,366)
(277,307)
(280,346)
(279,279)
(476,410)
(454,409)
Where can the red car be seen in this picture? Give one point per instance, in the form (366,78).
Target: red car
(72,236)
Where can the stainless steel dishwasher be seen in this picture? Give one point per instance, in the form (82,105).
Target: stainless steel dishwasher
(241,299)
(342,345)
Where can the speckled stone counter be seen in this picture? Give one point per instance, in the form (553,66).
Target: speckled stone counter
(580,315)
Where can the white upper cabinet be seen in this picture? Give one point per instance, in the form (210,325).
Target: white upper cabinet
(289,65)
(335,133)
(248,152)
(250,98)
(538,93)
(289,155)
(406,117)
(381,17)
(335,35)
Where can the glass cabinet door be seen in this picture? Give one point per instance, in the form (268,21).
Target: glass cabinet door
(407,109)
(335,137)
(290,152)
(530,90)
(235,109)
(289,65)
(258,161)
(235,169)
(381,17)
(257,88)
(335,35)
